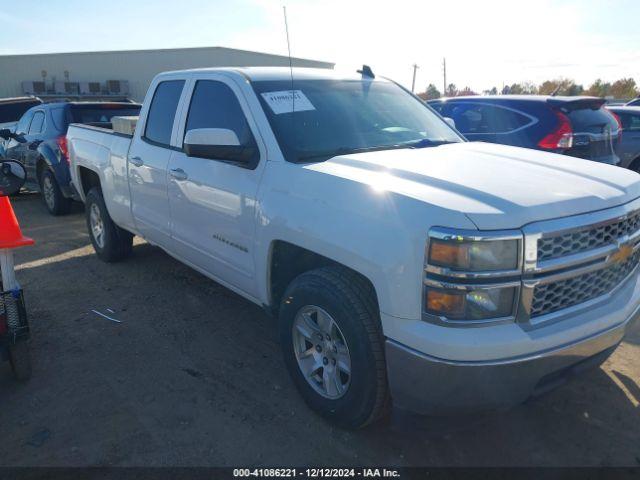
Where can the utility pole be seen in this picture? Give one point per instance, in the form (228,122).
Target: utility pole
(413,84)
(444,75)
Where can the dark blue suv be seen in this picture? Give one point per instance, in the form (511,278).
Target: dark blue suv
(576,126)
(45,154)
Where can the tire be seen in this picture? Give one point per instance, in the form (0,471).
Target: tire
(110,242)
(52,197)
(20,361)
(360,397)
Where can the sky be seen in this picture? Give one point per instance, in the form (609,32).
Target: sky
(486,42)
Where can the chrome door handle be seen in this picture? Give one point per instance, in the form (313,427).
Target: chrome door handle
(136,161)
(178,174)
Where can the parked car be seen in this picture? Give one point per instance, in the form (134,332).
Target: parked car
(402,262)
(575,126)
(634,103)
(45,154)
(629,150)
(11,109)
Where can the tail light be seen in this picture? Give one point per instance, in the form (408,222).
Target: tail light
(561,137)
(64,149)
(617,117)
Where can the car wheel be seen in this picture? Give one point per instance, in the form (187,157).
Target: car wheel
(20,361)
(52,196)
(110,242)
(333,346)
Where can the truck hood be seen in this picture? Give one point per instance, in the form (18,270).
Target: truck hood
(495,186)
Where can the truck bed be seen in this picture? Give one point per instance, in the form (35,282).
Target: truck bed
(102,150)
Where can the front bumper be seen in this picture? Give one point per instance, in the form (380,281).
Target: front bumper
(434,386)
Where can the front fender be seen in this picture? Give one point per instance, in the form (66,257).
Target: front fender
(379,234)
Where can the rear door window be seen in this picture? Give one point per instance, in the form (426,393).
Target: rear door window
(478,118)
(37,124)
(162,112)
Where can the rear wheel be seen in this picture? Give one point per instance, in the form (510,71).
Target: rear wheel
(333,345)
(52,196)
(110,242)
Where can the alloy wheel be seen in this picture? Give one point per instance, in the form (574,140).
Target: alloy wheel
(97,225)
(322,352)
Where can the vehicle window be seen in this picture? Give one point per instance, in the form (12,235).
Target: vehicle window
(37,123)
(100,115)
(588,120)
(59,118)
(319,119)
(23,124)
(482,118)
(630,122)
(437,106)
(12,111)
(214,105)
(162,111)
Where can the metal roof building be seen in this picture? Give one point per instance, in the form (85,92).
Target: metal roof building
(119,74)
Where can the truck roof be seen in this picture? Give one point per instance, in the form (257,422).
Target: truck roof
(278,73)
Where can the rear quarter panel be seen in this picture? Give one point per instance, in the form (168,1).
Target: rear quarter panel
(104,153)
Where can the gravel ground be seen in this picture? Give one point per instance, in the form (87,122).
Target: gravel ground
(193,376)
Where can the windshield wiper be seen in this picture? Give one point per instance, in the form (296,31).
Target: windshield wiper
(349,150)
(422,143)
(425,142)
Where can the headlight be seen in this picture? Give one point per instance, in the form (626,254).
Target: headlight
(457,253)
(480,304)
(472,276)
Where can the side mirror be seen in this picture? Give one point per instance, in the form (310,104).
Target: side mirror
(450,121)
(12,177)
(8,135)
(218,144)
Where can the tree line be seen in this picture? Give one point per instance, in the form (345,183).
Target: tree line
(625,88)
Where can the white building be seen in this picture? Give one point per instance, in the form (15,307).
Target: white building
(119,74)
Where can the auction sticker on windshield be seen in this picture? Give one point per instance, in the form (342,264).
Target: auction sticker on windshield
(286,100)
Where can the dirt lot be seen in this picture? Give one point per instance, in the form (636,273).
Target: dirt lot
(193,376)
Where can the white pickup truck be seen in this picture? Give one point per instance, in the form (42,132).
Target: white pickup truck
(402,262)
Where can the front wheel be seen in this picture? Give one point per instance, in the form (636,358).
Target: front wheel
(333,345)
(110,242)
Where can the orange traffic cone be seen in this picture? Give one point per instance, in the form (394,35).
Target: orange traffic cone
(10,233)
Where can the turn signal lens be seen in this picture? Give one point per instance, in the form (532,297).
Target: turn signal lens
(445,303)
(481,304)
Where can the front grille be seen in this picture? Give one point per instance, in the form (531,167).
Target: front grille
(587,239)
(551,297)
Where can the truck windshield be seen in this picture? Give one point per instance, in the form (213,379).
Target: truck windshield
(337,117)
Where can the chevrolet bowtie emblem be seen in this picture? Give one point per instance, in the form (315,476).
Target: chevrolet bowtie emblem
(623,253)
